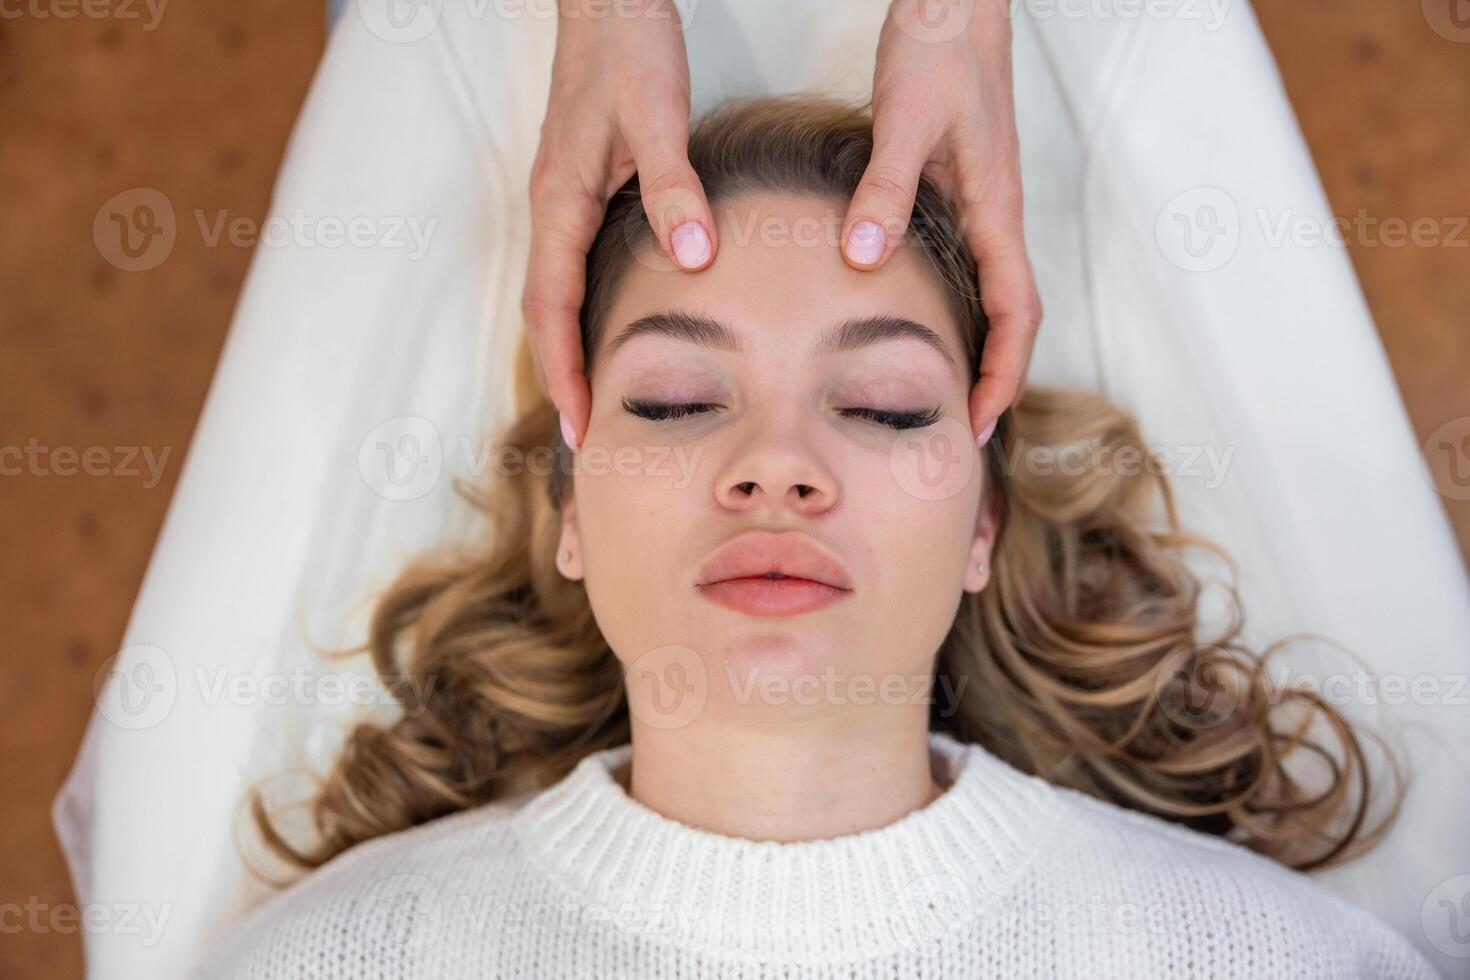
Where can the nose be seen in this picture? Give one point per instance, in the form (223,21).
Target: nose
(776,470)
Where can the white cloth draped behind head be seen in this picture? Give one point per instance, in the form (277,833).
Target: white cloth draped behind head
(358,380)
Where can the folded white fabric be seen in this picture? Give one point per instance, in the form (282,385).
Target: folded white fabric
(1161,163)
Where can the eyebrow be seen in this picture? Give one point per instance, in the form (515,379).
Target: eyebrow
(849,335)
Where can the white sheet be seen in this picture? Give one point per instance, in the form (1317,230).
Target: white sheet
(286,518)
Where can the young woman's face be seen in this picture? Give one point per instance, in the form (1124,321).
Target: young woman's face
(783,401)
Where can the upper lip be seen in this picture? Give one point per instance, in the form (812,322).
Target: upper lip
(757,554)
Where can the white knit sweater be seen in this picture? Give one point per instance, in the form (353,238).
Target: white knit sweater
(1004,875)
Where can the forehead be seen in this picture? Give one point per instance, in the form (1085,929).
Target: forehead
(779,278)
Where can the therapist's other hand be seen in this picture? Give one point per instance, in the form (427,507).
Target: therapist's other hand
(942,105)
(619,104)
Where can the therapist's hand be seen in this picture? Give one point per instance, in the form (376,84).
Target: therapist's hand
(942,105)
(619,104)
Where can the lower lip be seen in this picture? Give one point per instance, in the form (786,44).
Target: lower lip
(772,596)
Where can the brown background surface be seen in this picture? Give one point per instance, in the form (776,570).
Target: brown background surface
(200,108)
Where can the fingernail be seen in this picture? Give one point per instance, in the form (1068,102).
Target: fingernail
(691,245)
(865,242)
(985,434)
(567,432)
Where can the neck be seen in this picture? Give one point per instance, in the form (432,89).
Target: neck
(851,896)
(807,781)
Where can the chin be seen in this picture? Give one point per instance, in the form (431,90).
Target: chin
(781,671)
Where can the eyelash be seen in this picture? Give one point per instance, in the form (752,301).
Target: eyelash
(672,411)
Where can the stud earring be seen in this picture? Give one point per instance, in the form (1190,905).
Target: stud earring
(980,567)
(566,556)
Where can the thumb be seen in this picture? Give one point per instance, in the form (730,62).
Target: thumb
(673,196)
(879,213)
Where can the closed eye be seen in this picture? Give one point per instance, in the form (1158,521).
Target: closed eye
(895,420)
(665,411)
(669,411)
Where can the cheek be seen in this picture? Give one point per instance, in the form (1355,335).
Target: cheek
(920,535)
(628,526)
(922,496)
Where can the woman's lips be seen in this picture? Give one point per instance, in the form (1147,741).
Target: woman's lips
(772,596)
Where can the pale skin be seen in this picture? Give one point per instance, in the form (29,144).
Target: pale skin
(942,107)
(755,760)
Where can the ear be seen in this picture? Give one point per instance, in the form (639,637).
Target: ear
(987,524)
(569,548)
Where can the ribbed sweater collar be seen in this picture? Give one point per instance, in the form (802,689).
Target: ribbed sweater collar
(857,895)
